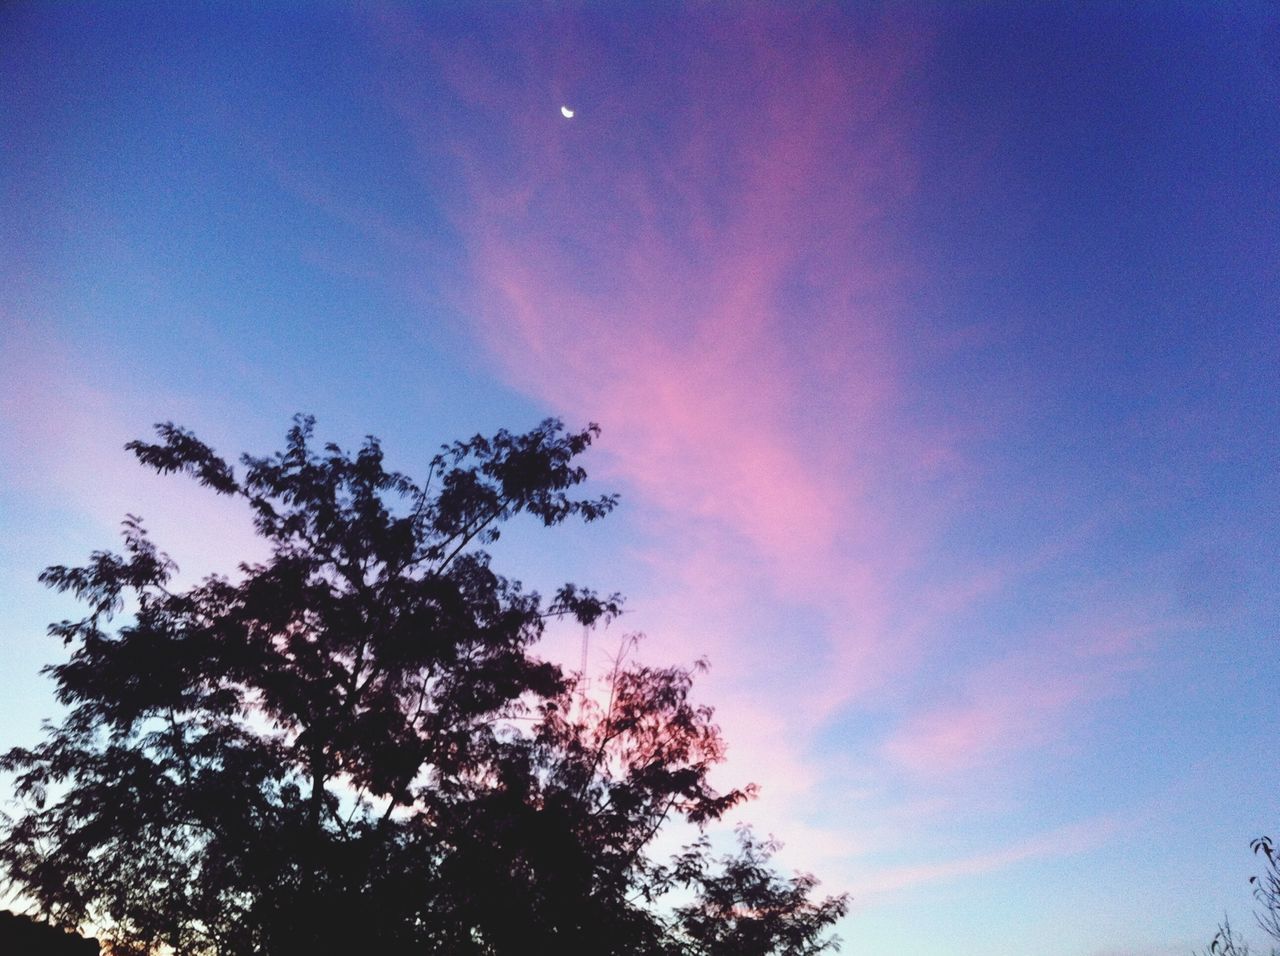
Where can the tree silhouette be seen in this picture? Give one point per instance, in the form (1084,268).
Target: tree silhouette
(1266,887)
(24,936)
(1266,890)
(351,747)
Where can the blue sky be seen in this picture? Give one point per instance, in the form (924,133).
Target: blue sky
(936,354)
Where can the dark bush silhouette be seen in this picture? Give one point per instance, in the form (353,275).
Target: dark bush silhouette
(1266,890)
(24,936)
(351,747)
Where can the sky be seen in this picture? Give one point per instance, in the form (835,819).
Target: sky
(935,348)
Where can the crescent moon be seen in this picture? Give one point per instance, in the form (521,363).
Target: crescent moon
(566,112)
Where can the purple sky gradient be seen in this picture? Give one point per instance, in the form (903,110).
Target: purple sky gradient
(937,358)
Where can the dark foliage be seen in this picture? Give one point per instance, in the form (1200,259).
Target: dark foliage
(351,747)
(24,936)
(1266,890)
(1266,887)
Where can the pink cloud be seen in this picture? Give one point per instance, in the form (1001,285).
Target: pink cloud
(1064,841)
(705,261)
(1025,700)
(696,262)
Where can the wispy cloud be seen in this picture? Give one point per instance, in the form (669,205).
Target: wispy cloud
(1063,841)
(704,265)
(1028,698)
(707,262)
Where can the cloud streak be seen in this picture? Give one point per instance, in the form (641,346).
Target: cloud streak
(707,260)
(1064,841)
(703,264)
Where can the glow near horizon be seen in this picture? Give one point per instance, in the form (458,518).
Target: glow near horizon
(936,358)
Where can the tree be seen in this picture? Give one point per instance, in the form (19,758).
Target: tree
(1266,887)
(1266,890)
(1226,942)
(352,748)
(21,934)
